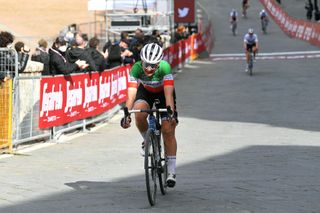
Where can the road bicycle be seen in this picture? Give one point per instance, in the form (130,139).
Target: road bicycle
(155,160)
(244,10)
(250,64)
(264,24)
(234,27)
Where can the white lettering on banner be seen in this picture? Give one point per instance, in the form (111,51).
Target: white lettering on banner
(283,19)
(300,31)
(74,96)
(170,58)
(195,44)
(90,92)
(122,85)
(166,57)
(287,25)
(104,91)
(186,48)
(114,86)
(307,33)
(277,14)
(51,100)
(180,52)
(294,28)
(269,6)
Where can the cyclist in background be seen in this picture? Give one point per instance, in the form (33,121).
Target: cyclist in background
(250,44)
(245,6)
(233,21)
(264,20)
(151,79)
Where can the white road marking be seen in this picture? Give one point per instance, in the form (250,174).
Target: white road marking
(268,56)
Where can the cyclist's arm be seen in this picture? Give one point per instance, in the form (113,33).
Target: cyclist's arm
(245,45)
(168,93)
(132,85)
(257,43)
(168,85)
(132,92)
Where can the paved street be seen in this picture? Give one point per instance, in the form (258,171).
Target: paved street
(245,144)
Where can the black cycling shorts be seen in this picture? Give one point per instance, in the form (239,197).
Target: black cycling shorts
(250,46)
(150,97)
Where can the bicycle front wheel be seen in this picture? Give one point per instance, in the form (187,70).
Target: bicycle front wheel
(150,167)
(162,166)
(251,65)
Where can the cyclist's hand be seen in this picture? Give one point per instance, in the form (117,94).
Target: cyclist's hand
(172,115)
(125,122)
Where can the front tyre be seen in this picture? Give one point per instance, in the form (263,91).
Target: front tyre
(150,167)
(162,167)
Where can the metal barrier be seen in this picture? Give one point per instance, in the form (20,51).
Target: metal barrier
(26,109)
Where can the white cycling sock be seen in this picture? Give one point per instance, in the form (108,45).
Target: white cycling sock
(171,164)
(143,134)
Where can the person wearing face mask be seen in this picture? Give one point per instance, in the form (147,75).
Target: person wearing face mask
(80,52)
(7,59)
(126,54)
(58,64)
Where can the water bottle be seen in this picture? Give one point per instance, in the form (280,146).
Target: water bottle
(152,122)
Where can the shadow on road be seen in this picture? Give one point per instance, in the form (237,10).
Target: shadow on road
(254,179)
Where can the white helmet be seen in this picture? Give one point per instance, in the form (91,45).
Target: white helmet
(250,31)
(151,53)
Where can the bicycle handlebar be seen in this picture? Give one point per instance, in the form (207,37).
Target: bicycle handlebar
(128,112)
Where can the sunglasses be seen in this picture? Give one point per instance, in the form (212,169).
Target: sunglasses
(150,66)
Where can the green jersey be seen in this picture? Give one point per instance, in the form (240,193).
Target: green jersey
(156,82)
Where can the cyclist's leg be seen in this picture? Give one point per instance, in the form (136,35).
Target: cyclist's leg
(142,101)
(168,132)
(248,53)
(255,50)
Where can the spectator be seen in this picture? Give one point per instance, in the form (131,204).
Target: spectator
(98,57)
(41,54)
(137,48)
(7,59)
(156,37)
(124,35)
(30,66)
(79,52)
(180,33)
(114,56)
(126,54)
(85,40)
(138,36)
(58,63)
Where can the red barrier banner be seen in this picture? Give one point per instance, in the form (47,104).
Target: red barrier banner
(300,29)
(64,99)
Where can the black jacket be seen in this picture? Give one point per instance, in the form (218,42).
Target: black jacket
(77,53)
(98,59)
(43,57)
(114,58)
(59,65)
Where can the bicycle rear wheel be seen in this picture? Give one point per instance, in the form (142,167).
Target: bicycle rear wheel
(150,167)
(162,167)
